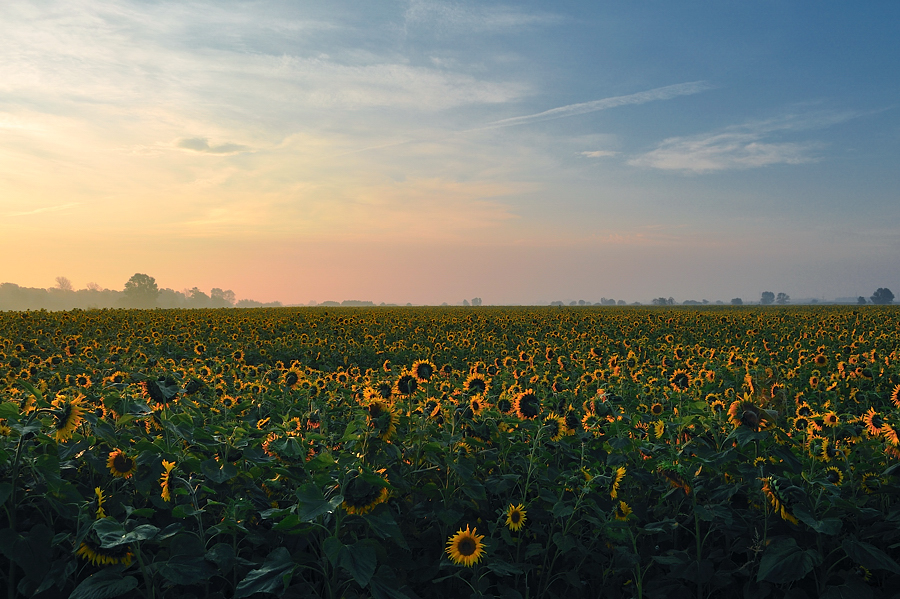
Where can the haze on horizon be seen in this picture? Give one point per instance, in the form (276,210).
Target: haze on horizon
(426,151)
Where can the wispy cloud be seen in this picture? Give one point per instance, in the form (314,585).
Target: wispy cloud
(750,145)
(660,93)
(201,144)
(45,209)
(475,18)
(599,153)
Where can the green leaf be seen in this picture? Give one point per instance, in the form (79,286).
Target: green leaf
(312,503)
(360,561)
(332,547)
(273,577)
(186,569)
(784,561)
(185,510)
(869,556)
(383,524)
(672,558)
(826,526)
(104,584)
(562,510)
(5,492)
(382,585)
(9,410)
(564,542)
(113,534)
(218,472)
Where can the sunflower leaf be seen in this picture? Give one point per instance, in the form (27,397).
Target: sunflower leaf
(360,561)
(869,556)
(104,584)
(312,503)
(273,576)
(784,561)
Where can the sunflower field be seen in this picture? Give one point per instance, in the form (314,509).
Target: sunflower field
(451,452)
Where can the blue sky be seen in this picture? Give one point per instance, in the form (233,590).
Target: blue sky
(430,151)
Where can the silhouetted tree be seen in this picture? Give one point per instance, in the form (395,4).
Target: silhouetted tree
(882,296)
(861,301)
(141,291)
(476,301)
(767,298)
(64,284)
(737,301)
(221,299)
(783,298)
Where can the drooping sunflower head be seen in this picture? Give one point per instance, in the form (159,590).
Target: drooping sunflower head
(406,384)
(515,517)
(120,465)
(680,380)
(623,511)
(466,547)
(380,415)
(92,551)
(165,481)
(363,491)
(834,476)
(870,483)
(745,412)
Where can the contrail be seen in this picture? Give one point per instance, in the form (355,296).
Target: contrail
(660,93)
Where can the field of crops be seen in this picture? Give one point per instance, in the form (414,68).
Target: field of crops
(451,452)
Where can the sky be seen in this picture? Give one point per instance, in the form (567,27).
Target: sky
(430,151)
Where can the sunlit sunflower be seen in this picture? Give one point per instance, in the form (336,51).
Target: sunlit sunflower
(820,360)
(657,409)
(834,476)
(556,427)
(292,378)
(680,380)
(895,396)
(527,405)
(890,434)
(874,422)
(361,495)
(422,370)
(830,419)
(120,465)
(466,547)
(68,414)
(515,517)
(165,481)
(617,479)
(623,511)
(98,556)
(478,404)
(476,384)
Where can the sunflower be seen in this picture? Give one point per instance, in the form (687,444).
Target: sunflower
(680,380)
(68,414)
(895,396)
(292,378)
(620,474)
(165,481)
(834,476)
(476,384)
(623,511)
(804,410)
(746,413)
(772,492)
(801,424)
(406,384)
(381,416)
(674,477)
(717,406)
(478,404)
(98,556)
(870,483)
(527,405)
(890,434)
(515,517)
(361,496)
(120,465)
(466,547)
(100,513)
(657,409)
(422,370)
(874,422)
(820,360)
(831,419)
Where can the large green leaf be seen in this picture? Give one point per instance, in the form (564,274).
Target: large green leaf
(785,561)
(273,577)
(218,472)
(312,503)
(186,569)
(104,584)
(826,526)
(869,556)
(360,561)
(113,534)
(384,525)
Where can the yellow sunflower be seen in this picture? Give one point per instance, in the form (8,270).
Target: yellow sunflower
(466,547)
(620,474)
(92,552)
(68,415)
(515,517)
(361,496)
(120,465)
(623,511)
(165,482)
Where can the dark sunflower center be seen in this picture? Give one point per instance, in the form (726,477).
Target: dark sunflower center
(466,547)
(477,385)
(291,379)
(515,517)
(122,463)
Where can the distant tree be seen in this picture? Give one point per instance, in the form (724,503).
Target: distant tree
(670,301)
(92,286)
(737,301)
(767,298)
(580,302)
(620,303)
(783,298)
(861,301)
(882,296)
(476,301)
(573,303)
(465,302)
(141,291)
(221,299)
(64,284)
(659,301)
(556,303)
